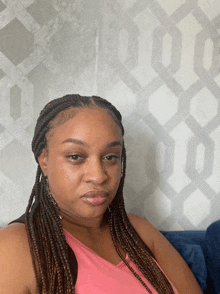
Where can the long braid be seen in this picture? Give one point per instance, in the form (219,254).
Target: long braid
(54,262)
(48,235)
(141,255)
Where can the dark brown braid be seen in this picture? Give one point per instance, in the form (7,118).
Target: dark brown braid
(54,262)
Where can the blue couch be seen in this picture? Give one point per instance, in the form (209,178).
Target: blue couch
(201,251)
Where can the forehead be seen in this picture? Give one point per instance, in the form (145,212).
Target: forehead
(84,123)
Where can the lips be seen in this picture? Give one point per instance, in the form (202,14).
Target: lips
(95,197)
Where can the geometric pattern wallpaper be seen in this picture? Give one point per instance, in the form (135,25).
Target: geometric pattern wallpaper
(156,60)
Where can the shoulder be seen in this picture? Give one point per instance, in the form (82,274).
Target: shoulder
(148,233)
(13,238)
(15,260)
(139,221)
(158,244)
(172,264)
(15,228)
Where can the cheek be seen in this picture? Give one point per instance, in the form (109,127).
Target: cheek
(59,170)
(62,179)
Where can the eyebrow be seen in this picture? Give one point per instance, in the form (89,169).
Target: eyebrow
(75,141)
(114,143)
(79,142)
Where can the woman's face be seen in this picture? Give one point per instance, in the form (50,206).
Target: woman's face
(83,163)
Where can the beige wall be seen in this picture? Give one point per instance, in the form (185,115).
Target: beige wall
(157,61)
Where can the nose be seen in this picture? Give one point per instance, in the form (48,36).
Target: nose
(95,172)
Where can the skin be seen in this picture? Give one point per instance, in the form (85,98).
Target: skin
(83,155)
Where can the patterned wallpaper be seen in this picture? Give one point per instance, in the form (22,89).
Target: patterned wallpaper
(156,60)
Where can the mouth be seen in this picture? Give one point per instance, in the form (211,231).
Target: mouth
(95,197)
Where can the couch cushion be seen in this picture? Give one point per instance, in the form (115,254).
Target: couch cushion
(190,245)
(212,255)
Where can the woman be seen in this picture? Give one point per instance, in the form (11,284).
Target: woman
(77,237)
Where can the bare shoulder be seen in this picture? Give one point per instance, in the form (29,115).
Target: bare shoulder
(16,273)
(13,229)
(148,233)
(139,221)
(167,257)
(151,236)
(13,238)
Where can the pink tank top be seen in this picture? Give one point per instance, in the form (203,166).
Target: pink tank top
(99,276)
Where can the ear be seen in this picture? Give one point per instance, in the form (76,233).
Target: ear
(43,160)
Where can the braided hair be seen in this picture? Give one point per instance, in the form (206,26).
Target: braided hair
(54,262)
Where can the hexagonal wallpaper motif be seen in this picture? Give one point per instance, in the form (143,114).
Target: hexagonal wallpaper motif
(157,61)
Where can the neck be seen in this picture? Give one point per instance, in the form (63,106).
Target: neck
(82,223)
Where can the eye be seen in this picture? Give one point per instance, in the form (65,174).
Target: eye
(112,157)
(75,157)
